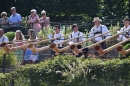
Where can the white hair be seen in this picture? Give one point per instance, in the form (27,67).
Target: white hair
(43,12)
(34,11)
(13,8)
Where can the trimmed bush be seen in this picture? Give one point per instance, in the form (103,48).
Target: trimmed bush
(5,79)
(10,59)
(127,46)
(10,35)
(72,71)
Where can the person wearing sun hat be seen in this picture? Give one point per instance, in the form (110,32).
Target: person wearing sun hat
(126,34)
(97,30)
(44,19)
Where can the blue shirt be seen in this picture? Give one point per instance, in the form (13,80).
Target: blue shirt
(28,53)
(15,18)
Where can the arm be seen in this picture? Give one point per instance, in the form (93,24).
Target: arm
(91,34)
(105,30)
(6,39)
(81,38)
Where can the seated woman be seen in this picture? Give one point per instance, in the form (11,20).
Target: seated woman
(18,41)
(31,57)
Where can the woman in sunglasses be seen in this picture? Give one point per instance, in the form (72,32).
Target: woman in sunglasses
(44,19)
(4,21)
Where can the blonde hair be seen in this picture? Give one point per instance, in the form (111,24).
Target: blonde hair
(33,35)
(21,35)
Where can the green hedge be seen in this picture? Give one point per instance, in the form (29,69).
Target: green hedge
(11,59)
(72,71)
(5,79)
(10,35)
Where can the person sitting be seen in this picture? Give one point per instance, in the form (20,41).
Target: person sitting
(125,35)
(99,29)
(18,41)
(74,34)
(31,57)
(2,37)
(4,21)
(59,36)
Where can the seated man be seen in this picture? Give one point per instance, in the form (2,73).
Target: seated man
(59,37)
(125,35)
(2,37)
(75,34)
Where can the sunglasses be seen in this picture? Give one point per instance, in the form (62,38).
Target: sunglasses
(3,15)
(43,14)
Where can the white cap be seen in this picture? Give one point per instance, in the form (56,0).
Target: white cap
(34,11)
(43,12)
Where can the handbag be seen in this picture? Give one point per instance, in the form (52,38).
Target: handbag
(33,57)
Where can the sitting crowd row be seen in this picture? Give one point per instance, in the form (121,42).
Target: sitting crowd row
(23,54)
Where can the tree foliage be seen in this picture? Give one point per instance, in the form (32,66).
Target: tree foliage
(69,8)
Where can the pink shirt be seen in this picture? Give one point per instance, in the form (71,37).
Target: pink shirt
(36,26)
(46,21)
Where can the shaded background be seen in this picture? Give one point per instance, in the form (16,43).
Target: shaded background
(70,10)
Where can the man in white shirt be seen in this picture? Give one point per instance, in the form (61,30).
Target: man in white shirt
(126,34)
(59,36)
(75,34)
(2,37)
(99,29)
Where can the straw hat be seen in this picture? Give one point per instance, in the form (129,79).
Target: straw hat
(96,19)
(126,19)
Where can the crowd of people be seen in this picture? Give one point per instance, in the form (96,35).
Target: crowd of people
(13,22)
(25,55)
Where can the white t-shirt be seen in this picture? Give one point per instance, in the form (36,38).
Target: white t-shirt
(4,39)
(58,40)
(103,29)
(74,35)
(122,35)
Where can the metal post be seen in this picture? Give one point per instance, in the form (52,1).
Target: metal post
(42,25)
(4,63)
(12,82)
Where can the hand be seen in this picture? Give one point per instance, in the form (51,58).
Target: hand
(53,34)
(127,36)
(78,41)
(11,23)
